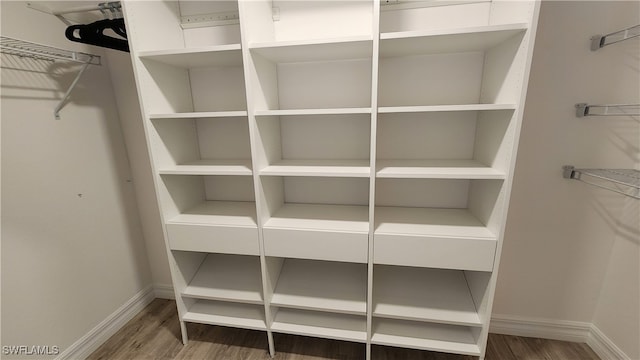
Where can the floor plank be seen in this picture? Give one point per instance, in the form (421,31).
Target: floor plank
(155,334)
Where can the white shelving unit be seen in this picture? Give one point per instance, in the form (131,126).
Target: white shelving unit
(335,169)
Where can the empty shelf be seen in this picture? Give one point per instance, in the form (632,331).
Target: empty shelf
(221,55)
(436,169)
(230,213)
(331,168)
(226,314)
(357,47)
(424,336)
(348,218)
(434,295)
(210,167)
(200,115)
(443,108)
(320,285)
(426,42)
(320,324)
(329,111)
(430,222)
(227,277)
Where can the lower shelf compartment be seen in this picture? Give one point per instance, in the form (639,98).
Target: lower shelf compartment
(425,336)
(226,314)
(320,324)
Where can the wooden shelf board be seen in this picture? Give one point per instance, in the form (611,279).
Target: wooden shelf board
(319,285)
(321,217)
(225,213)
(411,293)
(424,336)
(436,169)
(355,47)
(424,42)
(445,108)
(228,278)
(226,314)
(320,324)
(210,56)
(330,168)
(457,223)
(331,111)
(200,115)
(210,167)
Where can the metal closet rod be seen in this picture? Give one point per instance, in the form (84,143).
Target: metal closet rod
(600,41)
(621,181)
(26,49)
(584,109)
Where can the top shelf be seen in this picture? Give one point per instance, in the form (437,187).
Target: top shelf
(356,47)
(32,50)
(424,42)
(209,56)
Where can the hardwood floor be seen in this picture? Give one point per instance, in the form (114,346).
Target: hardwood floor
(155,334)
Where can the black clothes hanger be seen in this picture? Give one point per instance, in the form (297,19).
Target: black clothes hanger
(93,34)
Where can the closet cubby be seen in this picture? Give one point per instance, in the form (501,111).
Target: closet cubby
(321,218)
(448,224)
(337,169)
(315,145)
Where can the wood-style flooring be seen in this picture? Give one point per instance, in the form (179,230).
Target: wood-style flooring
(155,334)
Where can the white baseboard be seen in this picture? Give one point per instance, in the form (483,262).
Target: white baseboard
(87,344)
(604,347)
(564,330)
(164,291)
(574,331)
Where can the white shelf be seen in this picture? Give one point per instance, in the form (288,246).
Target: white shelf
(454,223)
(331,168)
(292,112)
(432,337)
(210,167)
(425,42)
(229,213)
(320,324)
(435,295)
(345,218)
(227,278)
(445,108)
(210,56)
(226,314)
(199,115)
(436,169)
(356,47)
(326,286)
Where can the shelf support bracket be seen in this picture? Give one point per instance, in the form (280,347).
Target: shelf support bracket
(56,111)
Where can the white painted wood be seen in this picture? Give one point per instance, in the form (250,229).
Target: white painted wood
(326,191)
(226,314)
(227,278)
(424,336)
(200,115)
(232,213)
(320,324)
(330,168)
(213,238)
(440,238)
(316,244)
(326,50)
(436,169)
(433,295)
(210,167)
(396,18)
(338,111)
(221,55)
(320,217)
(440,108)
(423,42)
(422,193)
(320,285)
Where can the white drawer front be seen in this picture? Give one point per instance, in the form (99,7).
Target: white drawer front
(436,252)
(212,238)
(314,244)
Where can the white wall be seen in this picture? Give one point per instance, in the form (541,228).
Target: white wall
(68,260)
(571,250)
